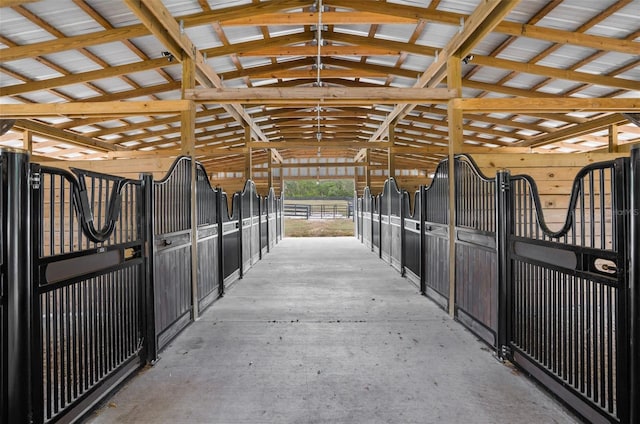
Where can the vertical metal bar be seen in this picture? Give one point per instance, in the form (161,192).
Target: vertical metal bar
(148,279)
(634,286)
(240,206)
(402,234)
(622,216)
(503,231)
(220,208)
(193,225)
(259,227)
(423,241)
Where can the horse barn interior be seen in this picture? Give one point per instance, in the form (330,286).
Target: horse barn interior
(493,276)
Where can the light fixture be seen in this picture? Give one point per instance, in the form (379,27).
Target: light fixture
(468,58)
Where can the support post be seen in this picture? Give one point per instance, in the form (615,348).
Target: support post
(151,354)
(221,208)
(391,164)
(188,142)
(259,227)
(613,138)
(27,141)
(269,170)
(367,170)
(634,285)
(423,240)
(503,230)
(454,81)
(248,159)
(240,217)
(18,296)
(402,237)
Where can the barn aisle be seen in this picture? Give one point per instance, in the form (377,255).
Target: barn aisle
(322,331)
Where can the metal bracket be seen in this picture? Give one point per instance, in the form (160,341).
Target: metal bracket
(34,180)
(505,352)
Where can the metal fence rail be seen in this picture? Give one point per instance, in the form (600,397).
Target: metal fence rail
(95,276)
(562,304)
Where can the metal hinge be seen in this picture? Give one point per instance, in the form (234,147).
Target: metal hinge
(34,180)
(505,352)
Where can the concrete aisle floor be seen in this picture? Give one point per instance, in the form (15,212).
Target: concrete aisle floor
(322,331)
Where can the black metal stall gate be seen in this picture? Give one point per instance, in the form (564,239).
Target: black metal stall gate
(96,276)
(563,305)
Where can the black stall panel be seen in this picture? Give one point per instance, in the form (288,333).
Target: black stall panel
(569,291)
(367,218)
(89,285)
(208,243)
(231,253)
(264,225)
(375,224)
(476,251)
(436,233)
(412,242)
(272,217)
(250,225)
(172,251)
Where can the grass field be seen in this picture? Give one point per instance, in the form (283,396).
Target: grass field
(318,227)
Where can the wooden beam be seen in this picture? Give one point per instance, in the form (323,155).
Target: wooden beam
(13,3)
(112,71)
(568,37)
(613,138)
(486,16)
(566,133)
(312,143)
(391,164)
(64,136)
(188,117)
(101,109)
(27,141)
(324,51)
(328,18)
(322,95)
(311,74)
(161,23)
(505,27)
(556,73)
(554,105)
(456,141)
(248,164)
(248,46)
